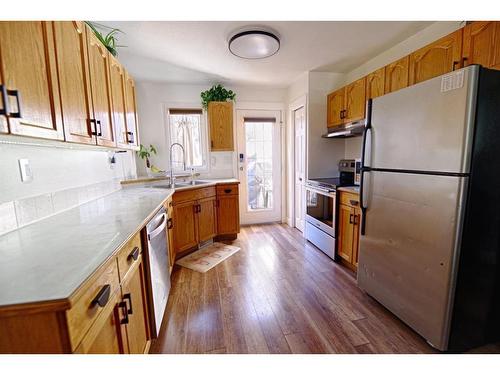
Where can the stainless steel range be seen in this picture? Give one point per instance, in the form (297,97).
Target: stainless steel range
(321,195)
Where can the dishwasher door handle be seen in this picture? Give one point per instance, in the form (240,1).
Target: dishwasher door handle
(160,227)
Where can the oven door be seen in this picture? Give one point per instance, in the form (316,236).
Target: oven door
(320,209)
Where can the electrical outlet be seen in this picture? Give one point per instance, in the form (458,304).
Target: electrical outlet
(25,169)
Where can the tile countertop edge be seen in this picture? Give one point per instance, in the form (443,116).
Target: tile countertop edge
(65,303)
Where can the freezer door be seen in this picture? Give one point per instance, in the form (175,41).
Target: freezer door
(425,127)
(408,254)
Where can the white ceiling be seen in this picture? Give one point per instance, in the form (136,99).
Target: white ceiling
(196,52)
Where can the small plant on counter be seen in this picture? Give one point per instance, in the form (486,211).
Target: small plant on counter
(145,153)
(217,93)
(109,40)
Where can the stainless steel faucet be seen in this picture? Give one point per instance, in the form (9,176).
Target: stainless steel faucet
(171,161)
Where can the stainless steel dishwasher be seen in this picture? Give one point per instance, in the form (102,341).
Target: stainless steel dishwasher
(159,268)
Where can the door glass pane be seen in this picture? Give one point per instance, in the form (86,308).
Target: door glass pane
(259,147)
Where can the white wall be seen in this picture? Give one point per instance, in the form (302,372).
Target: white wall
(152,99)
(323,154)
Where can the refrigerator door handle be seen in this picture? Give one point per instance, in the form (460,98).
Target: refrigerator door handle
(364,168)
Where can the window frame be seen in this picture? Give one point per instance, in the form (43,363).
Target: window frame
(205,152)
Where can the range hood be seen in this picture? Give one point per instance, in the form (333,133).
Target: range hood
(352,129)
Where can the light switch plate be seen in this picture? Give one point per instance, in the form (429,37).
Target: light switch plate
(25,169)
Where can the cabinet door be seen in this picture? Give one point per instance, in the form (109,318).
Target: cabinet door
(73,69)
(134,295)
(117,81)
(131,113)
(396,75)
(346,232)
(207,219)
(28,66)
(481,44)
(170,233)
(220,117)
(106,335)
(101,91)
(375,84)
(355,100)
(437,58)
(228,214)
(185,226)
(335,107)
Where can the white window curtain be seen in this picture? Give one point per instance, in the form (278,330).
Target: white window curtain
(185,128)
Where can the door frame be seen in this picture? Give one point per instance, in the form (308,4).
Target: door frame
(296,104)
(269,106)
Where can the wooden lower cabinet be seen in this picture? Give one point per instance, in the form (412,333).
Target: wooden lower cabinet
(106,335)
(185,226)
(134,296)
(207,219)
(201,214)
(348,229)
(108,314)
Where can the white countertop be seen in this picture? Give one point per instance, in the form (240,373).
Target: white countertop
(48,260)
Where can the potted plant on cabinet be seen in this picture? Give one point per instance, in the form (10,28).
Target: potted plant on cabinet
(218,102)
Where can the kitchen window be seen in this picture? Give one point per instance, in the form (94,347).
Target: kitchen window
(188,127)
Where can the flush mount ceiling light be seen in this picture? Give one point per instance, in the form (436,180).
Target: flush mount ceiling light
(254,44)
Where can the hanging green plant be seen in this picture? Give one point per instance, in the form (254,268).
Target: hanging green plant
(217,93)
(108,40)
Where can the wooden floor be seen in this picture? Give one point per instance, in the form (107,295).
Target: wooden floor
(279,294)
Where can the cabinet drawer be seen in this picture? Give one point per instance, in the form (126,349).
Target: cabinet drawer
(229,189)
(349,199)
(193,194)
(86,309)
(128,255)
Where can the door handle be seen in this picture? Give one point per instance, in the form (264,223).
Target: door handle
(455,64)
(5,101)
(98,122)
(128,297)
(130,137)
(170,223)
(94,129)
(350,219)
(123,306)
(364,168)
(17,95)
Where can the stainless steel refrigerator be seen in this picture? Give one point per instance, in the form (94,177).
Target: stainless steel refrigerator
(430,199)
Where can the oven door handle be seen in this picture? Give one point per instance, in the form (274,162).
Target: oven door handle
(320,191)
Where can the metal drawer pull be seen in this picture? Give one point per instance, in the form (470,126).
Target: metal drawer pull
(5,102)
(170,223)
(123,305)
(103,296)
(350,219)
(98,122)
(134,254)
(354,203)
(227,191)
(129,297)
(130,137)
(18,101)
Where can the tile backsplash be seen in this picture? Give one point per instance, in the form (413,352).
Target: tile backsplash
(64,176)
(18,213)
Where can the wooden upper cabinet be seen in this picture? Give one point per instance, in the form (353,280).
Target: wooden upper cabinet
(481,44)
(28,66)
(118,97)
(220,118)
(375,83)
(101,91)
(74,80)
(335,107)
(396,75)
(440,57)
(132,135)
(355,103)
